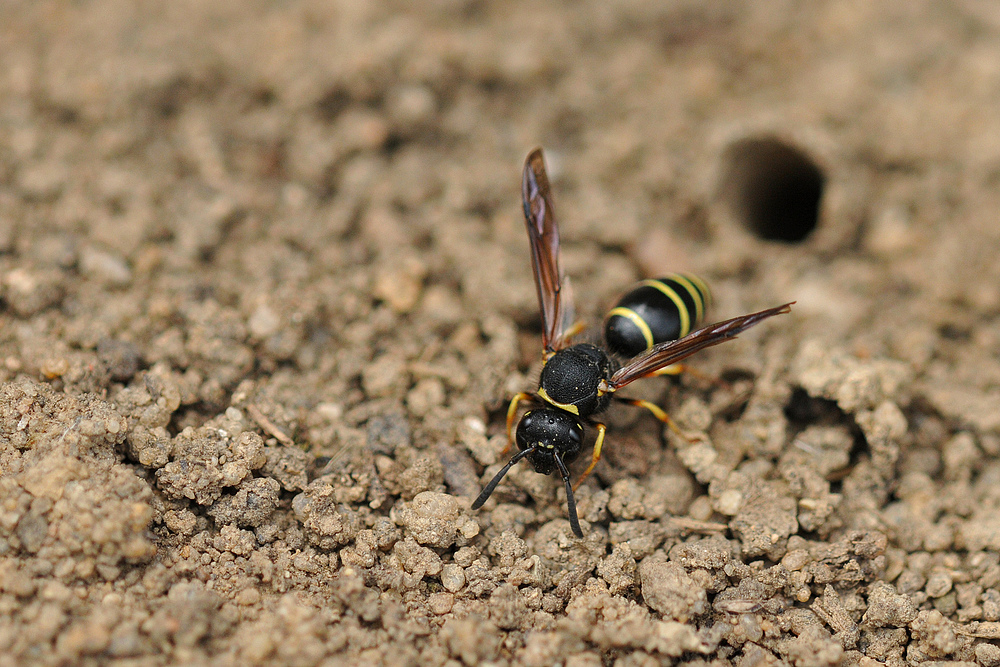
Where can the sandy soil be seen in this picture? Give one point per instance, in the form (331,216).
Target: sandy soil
(265,292)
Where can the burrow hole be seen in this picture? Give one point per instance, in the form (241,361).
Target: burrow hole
(774,188)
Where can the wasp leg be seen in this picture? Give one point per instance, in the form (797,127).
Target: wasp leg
(511,414)
(601,429)
(659,414)
(673,369)
(574,330)
(677,369)
(564,340)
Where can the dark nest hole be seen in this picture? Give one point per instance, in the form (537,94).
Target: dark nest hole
(773,188)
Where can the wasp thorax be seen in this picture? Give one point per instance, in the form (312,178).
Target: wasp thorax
(570,379)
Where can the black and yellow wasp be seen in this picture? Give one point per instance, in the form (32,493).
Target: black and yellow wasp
(580,381)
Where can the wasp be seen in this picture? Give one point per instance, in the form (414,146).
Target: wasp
(580,381)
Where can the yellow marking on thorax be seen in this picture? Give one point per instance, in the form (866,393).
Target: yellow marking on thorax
(568,407)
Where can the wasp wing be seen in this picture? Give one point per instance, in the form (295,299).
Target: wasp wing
(543,234)
(670,352)
(569,321)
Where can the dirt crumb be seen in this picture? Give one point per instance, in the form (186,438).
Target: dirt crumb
(667,588)
(435,520)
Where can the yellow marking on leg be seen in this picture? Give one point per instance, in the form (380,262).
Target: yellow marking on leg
(563,341)
(573,331)
(659,414)
(634,318)
(677,369)
(671,294)
(705,377)
(601,429)
(511,414)
(672,369)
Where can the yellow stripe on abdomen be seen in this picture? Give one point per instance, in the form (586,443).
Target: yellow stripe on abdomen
(698,290)
(670,293)
(634,318)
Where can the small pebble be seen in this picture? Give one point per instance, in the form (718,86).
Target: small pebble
(452,577)
(729,502)
(938,583)
(248,597)
(401,285)
(105,266)
(440,603)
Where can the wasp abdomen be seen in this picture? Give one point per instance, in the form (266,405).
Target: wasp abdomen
(655,311)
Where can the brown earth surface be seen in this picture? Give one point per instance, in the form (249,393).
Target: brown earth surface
(265,292)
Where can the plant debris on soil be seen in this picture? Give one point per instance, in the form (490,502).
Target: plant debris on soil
(265,292)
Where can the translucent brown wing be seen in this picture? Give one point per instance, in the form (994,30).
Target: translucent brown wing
(671,352)
(543,233)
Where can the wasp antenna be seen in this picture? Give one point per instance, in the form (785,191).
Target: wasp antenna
(574,522)
(488,491)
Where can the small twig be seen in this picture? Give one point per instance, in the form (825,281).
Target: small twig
(695,526)
(738,606)
(979,630)
(268,426)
